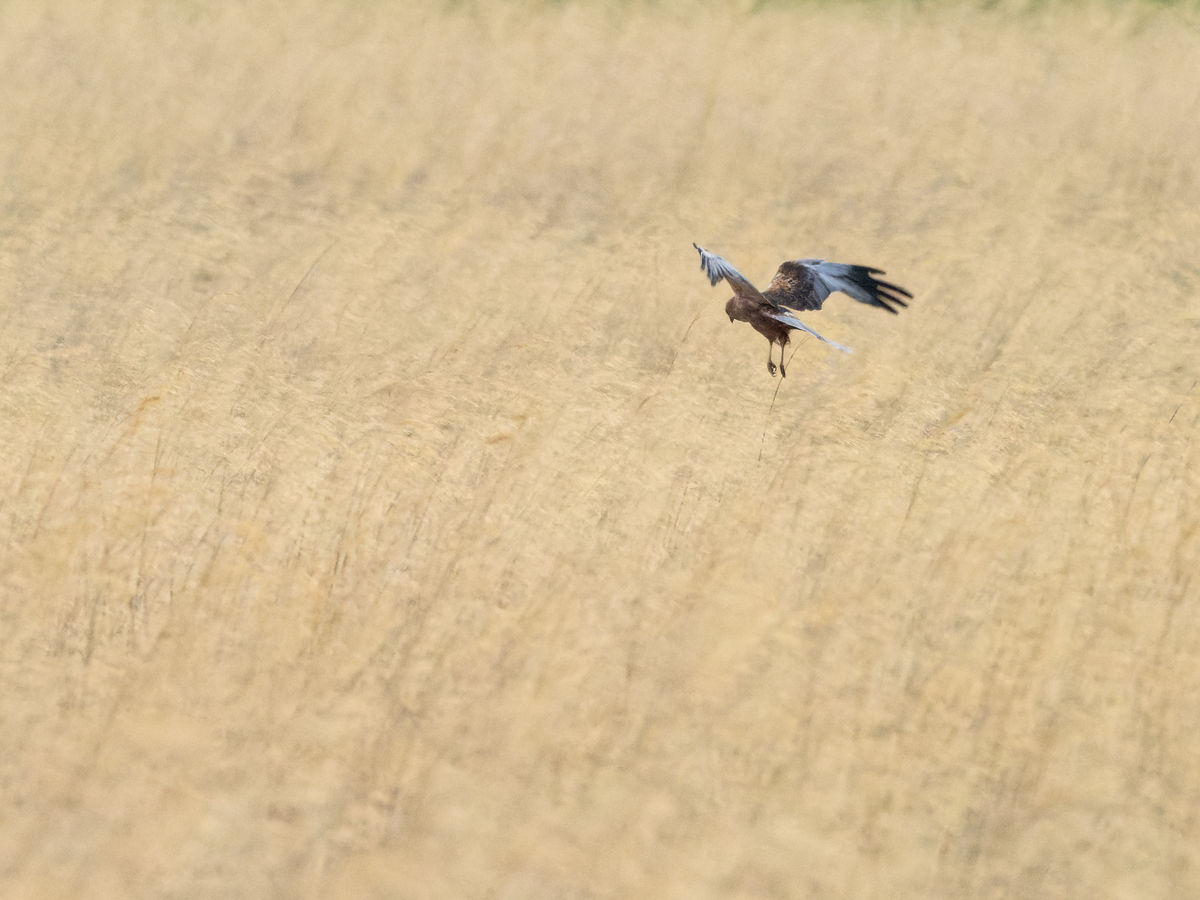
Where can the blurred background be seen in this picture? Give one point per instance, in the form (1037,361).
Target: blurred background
(389,509)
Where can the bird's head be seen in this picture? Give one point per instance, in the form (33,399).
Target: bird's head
(729,308)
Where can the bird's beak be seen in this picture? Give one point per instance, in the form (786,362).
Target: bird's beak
(731,320)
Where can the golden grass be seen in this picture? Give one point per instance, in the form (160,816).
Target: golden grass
(389,510)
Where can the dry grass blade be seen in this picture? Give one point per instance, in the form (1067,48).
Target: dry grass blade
(369,529)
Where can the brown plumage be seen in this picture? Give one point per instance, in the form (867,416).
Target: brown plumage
(799,284)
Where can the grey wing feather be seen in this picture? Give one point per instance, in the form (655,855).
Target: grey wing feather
(717,268)
(793,322)
(858,282)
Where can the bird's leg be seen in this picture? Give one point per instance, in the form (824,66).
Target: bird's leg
(770,360)
(782,370)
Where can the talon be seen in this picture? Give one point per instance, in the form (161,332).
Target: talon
(771,368)
(782,370)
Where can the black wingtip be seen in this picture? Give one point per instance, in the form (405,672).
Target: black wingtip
(893,287)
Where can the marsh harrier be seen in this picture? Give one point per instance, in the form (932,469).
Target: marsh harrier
(798,285)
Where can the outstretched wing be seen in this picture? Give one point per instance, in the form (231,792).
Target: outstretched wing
(716,269)
(793,322)
(805,283)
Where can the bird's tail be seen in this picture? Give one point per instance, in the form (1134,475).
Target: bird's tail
(793,322)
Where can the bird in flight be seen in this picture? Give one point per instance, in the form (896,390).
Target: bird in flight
(798,285)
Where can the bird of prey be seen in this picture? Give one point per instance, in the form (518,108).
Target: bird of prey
(798,285)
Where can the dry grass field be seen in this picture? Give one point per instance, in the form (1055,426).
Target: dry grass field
(388,508)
